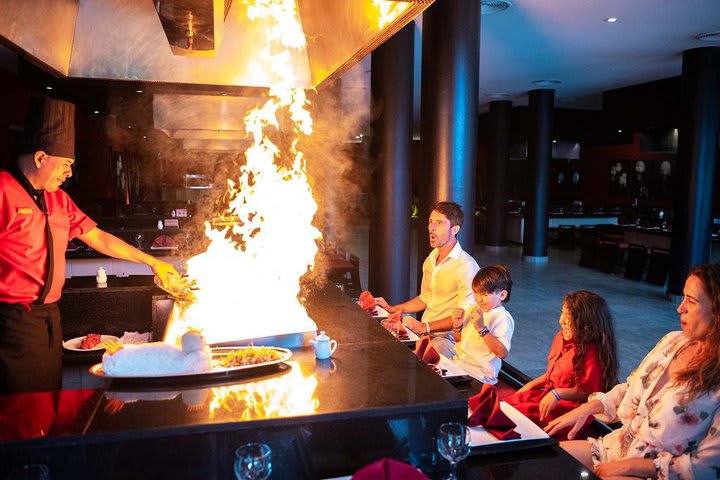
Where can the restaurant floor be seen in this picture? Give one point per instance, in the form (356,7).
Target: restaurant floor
(642,313)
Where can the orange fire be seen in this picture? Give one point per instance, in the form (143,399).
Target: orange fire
(248,278)
(290,394)
(389,11)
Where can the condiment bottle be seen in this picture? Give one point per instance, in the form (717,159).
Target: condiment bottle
(101,278)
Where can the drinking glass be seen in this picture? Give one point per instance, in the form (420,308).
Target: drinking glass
(30,472)
(252,462)
(453,443)
(140,238)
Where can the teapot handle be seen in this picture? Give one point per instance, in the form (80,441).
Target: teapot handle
(333,346)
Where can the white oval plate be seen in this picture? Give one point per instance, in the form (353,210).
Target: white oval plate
(216,370)
(74,343)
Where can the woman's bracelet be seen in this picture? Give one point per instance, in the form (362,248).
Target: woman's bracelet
(556,394)
(427,327)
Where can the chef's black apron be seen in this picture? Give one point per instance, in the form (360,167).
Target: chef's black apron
(31,335)
(30,348)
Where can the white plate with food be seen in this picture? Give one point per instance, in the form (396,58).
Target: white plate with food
(88,343)
(225,361)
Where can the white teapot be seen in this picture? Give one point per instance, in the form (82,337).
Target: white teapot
(324,347)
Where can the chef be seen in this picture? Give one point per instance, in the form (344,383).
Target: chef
(37,220)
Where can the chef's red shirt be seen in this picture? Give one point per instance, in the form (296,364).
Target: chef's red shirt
(23,246)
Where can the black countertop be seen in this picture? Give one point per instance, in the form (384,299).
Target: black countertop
(321,418)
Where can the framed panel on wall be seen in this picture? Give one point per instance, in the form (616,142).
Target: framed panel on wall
(619,178)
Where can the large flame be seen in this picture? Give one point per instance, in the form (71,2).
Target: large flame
(388,11)
(288,395)
(249,275)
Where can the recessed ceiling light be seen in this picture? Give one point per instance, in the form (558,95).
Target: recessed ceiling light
(610,20)
(494,6)
(554,141)
(619,130)
(546,83)
(138,91)
(129,126)
(709,37)
(96,112)
(48,87)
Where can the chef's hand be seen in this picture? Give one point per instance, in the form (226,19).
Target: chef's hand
(164,271)
(458,315)
(417,327)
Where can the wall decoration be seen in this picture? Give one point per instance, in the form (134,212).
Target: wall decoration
(618,184)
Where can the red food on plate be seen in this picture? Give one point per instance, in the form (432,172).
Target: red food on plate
(366,301)
(92,340)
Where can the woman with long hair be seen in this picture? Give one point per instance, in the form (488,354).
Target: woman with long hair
(582,360)
(668,406)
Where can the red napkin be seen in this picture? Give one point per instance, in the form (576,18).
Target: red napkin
(486,412)
(389,469)
(427,352)
(366,301)
(164,241)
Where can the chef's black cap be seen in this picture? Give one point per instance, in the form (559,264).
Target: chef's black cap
(50,127)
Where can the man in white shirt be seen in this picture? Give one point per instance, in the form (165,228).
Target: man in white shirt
(446,283)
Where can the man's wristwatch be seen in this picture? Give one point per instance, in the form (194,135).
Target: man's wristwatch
(485,330)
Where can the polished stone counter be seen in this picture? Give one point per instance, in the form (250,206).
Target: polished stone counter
(321,418)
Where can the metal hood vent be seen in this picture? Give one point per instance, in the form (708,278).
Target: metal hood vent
(193,27)
(187,41)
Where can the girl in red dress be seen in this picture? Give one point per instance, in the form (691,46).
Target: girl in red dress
(582,360)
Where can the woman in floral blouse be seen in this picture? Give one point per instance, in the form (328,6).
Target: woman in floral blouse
(668,406)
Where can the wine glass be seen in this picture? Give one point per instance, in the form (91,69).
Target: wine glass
(453,443)
(252,462)
(140,238)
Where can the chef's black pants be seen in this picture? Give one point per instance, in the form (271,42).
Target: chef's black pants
(30,348)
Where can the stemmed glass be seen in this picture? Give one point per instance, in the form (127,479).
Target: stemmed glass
(252,462)
(140,238)
(453,443)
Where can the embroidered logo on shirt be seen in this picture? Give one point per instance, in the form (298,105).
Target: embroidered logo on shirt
(24,210)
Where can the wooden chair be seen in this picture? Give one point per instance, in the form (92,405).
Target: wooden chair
(659,266)
(637,258)
(566,237)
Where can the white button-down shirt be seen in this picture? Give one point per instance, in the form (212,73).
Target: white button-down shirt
(448,285)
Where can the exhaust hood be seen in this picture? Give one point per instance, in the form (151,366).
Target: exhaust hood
(210,42)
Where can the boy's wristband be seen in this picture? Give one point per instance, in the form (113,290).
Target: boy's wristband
(485,330)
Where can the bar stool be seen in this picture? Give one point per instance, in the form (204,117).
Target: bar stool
(637,258)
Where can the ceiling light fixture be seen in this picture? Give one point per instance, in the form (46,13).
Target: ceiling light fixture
(610,20)
(48,88)
(494,6)
(96,112)
(546,83)
(709,37)
(138,91)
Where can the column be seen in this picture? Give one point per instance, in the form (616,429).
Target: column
(695,165)
(390,146)
(540,111)
(450,66)
(498,155)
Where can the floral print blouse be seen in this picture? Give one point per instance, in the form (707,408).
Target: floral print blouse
(683,437)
